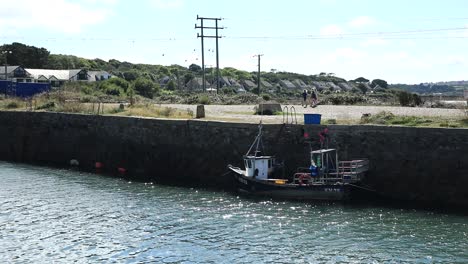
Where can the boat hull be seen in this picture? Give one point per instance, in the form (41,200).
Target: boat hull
(323,192)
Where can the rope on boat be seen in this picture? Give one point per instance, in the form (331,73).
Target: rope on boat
(360,187)
(225,174)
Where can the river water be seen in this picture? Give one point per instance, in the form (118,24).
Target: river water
(58,216)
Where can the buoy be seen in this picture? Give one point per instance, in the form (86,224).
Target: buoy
(74,162)
(98,165)
(121,170)
(306,135)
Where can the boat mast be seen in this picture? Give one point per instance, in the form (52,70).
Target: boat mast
(257,142)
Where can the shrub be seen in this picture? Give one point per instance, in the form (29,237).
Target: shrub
(145,87)
(266,97)
(48,105)
(204,99)
(12,105)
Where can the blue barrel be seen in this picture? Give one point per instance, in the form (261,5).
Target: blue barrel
(312,119)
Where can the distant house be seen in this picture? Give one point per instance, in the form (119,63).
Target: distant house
(164,81)
(320,85)
(235,84)
(465,94)
(248,84)
(224,82)
(333,86)
(58,77)
(267,86)
(15,74)
(301,84)
(196,84)
(287,84)
(345,86)
(95,76)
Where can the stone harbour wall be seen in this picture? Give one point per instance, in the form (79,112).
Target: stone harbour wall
(411,164)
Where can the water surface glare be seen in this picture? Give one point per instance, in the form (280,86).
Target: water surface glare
(57,216)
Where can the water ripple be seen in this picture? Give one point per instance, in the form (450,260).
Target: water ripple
(51,215)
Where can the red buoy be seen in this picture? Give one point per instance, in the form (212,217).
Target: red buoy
(121,170)
(98,165)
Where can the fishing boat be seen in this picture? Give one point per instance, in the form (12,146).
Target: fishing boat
(326,178)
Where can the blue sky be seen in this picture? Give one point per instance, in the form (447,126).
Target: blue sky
(398,41)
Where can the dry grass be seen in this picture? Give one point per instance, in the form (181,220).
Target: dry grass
(150,110)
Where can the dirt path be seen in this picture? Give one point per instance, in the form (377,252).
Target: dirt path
(245,113)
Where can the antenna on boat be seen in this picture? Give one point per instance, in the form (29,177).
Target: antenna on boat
(257,142)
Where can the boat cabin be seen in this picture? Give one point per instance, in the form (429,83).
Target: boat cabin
(259,167)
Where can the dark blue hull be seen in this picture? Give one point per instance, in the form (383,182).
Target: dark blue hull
(328,192)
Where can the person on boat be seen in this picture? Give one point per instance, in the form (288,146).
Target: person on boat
(313,169)
(304,97)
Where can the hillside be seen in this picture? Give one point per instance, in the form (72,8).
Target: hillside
(40,58)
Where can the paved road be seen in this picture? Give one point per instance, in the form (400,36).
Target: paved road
(245,113)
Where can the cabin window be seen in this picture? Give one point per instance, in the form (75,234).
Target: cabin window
(248,163)
(269,163)
(82,76)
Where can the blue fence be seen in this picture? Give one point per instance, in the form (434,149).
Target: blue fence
(23,89)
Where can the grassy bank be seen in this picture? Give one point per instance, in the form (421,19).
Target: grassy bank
(73,101)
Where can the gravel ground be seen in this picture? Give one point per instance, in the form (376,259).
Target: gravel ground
(245,113)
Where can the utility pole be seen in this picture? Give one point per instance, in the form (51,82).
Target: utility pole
(6,52)
(258,74)
(202,36)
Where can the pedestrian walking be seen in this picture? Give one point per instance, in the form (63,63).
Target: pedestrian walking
(304,97)
(313,98)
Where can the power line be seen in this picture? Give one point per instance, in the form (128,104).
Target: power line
(413,34)
(364,34)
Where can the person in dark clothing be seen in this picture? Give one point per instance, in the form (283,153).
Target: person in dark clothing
(304,97)
(314,98)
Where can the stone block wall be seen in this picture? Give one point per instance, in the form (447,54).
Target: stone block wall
(418,164)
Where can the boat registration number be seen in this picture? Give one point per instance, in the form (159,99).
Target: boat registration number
(243,181)
(332,189)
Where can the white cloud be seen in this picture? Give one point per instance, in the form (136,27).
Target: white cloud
(361,21)
(104,2)
(344,55)
(57,15)
(374,42)
(166,4)
(331,30)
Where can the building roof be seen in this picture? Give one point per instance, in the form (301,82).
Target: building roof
(224,80)
(234,83)
(266,84)
(249,84)
(62,75)
(287,84)
(10,69)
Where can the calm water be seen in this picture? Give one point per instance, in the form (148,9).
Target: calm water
(58,216)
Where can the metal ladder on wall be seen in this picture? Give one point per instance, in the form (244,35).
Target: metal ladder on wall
(289,112)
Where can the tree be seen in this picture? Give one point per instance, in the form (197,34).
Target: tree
(195,68)
(26,56)
(131,75)
(380,83)
(361,80)
(145,87)
(188,77)
(171,85)
(363,88)
(405,98)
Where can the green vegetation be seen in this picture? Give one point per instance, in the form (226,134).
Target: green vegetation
(143,84)
(388,118)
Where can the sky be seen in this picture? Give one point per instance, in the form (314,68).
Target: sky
(397,41)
